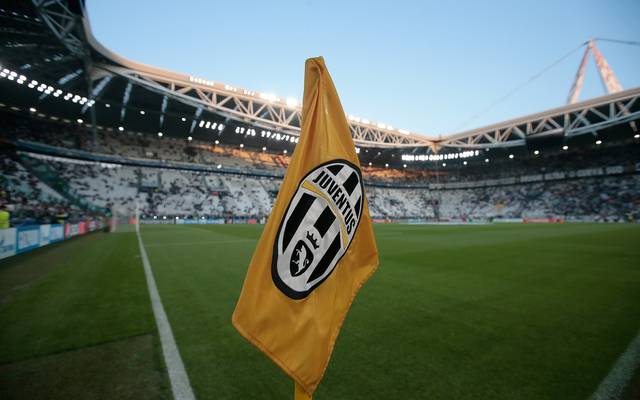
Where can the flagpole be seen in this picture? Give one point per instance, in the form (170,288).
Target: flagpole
(299,393)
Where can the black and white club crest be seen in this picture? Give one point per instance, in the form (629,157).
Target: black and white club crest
(317,228)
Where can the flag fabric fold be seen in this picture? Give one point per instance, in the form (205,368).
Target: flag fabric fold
(317,248)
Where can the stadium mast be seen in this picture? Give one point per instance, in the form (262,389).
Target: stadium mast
(609,80)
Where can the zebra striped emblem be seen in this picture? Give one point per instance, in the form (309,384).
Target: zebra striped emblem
(317,228)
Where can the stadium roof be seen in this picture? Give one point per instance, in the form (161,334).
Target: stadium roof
(50,42)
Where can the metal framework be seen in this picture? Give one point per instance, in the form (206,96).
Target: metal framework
(242,105)
(571,120)
(269,112)
(609,80)
(62,22)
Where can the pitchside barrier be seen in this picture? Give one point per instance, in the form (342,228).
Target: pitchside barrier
(29,237)
(206,221)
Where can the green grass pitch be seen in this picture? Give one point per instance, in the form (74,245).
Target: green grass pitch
(454,312)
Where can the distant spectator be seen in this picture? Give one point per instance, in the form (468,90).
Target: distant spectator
(4,217)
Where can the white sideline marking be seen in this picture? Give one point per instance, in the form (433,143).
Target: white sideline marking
(180,385)
(614,384)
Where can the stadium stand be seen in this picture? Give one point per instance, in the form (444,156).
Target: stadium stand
(587,184)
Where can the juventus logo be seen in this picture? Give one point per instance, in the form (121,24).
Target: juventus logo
(317,228)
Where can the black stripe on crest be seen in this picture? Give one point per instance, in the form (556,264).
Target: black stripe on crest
(324,221)
(325,261)
(358,204)
(296,217)
(351,182)
(335,169)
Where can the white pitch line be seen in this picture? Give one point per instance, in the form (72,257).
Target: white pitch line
(614,384)
(180,385)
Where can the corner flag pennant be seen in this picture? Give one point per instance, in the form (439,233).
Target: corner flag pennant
(317,248)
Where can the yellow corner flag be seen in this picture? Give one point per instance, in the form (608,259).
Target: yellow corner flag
(317,248)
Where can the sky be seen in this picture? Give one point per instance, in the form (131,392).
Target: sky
(430,67)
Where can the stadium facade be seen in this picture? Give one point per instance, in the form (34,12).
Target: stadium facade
(88,129)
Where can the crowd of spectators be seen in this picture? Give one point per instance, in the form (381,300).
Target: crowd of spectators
(612,195)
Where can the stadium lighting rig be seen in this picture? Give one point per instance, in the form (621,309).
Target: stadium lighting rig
(440,157)
(211,125)
(277,136)
(201,81)
(44,88)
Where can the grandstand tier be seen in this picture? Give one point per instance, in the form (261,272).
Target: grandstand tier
(48,165)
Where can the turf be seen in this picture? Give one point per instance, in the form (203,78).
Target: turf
(75,318)
(465,312)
